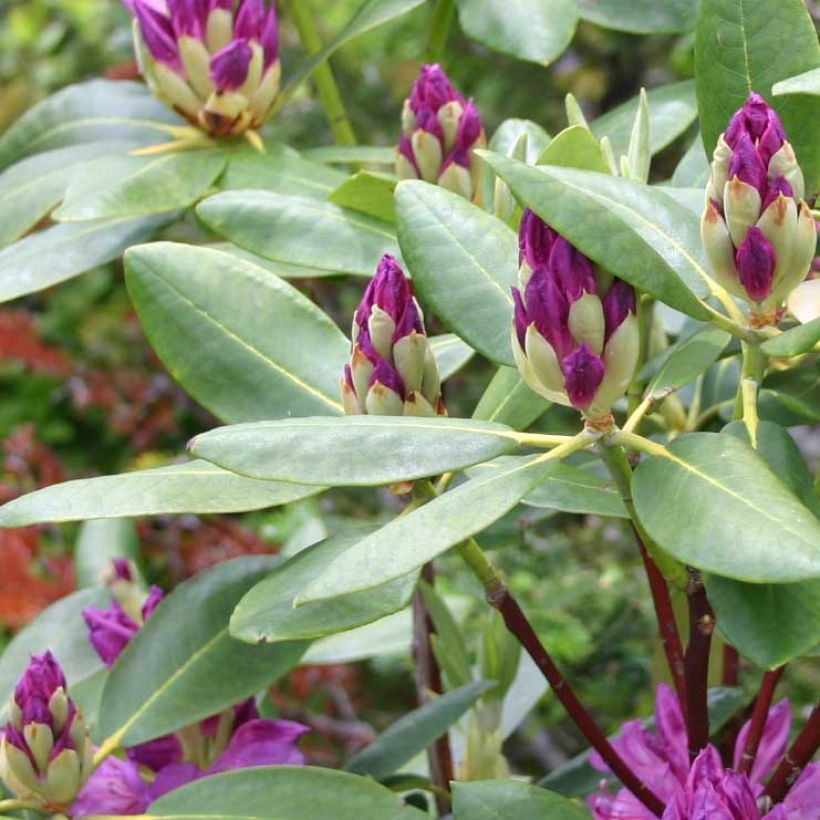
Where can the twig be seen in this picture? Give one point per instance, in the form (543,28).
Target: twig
(731,666)
(701,626)
(800,753)
(759,718)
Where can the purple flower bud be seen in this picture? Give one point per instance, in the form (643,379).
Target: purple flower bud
(158,753)
(229,66)
(583,373)
(269,38)
(619,302)
(470,127)
(158,34)
(572,269)
(432,90)
(406,150)
(109,630)
(755,119)
(250,20)
(779,186)
(42,678)
(520,317)
(747,165)
(535,240)
(387,376)
(755,262)
(548,309)
(426,120)
(155,596)
(122,569)
(188,17)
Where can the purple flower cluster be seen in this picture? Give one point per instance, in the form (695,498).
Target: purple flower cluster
(758,233)
(575,334)
(392,370)
(440,130)
(705,790)
(215,61)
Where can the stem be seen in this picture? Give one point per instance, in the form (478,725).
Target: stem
(428,679)
(618,465)
(800,753)
(322,75)
(440,23)
(637,415)
(759,717)
(731,666)
(733,326)
(541,440)
(701,626)
(632,441)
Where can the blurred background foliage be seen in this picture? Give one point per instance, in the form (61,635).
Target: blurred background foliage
(83,393)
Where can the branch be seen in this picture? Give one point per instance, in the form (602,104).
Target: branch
(701,626)
(800,753)
(731,666)
(759,717)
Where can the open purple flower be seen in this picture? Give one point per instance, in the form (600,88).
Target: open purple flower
(216,62)
(392,369)
(440,130)
(575,333)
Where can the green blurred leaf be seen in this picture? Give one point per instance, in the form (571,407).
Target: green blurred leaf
(641,16)
(286,270)
(508,400)
(793,342)
(99,542)
(451,649)
(369,193)
(511,800)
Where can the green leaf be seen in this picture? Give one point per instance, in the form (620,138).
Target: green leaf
(796,392)
(282,793)
(793,342)
(369,193)
(641,16)
(575,147)
(412,540)
(233,348)
(286,270)
(353,154)
(741,46)
(534,30)
(277,227)
(183,665)
(413,732)
(95,111)
(507,134)
(116,186)
(511,800)
(672,110)
(577,490)
(61,629)
(281,170)
(61,252)
(712,502)
(508,400)
(693,169)
(451,354)
(354,450)
(806,83)
(638,233)
(266,614)
(195,487)
(99,542)
(686,360)
(451,649)
(463,262)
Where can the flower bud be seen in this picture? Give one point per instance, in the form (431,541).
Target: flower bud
(757,231)
(575,333)
(46,753)
(440,131)
(216,65)
(392,369)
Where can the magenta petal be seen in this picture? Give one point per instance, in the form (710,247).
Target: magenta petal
(520,315)
(114,788)
(262,743)
(173,777)
(109,630)
(229,66)
(619,302)
(432,89)
(803,798)
(158,33)
(572,270)
(155,597)
(158,753)
(779,186)
(250,19)
(122,569)
(535,240)
(672,730)
(583,374)
(755,262)
(386,375)
(469,127)
(548,308)
(772,743)
(747,165)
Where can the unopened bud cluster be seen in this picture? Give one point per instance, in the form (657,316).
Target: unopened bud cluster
(216,62)
(757,230)
(440,131)
(575,332)
(392,369)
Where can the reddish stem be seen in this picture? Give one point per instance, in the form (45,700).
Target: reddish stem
(800,753)
(428,679)
(759,716)
(731,666)
(701,626)
(516,621)
(667,625)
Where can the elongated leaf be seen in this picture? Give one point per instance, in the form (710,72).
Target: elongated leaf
(410,541)
(99,542)
(117,186)
(463,262)
(227,331)
(793,342)
(806,83)
(352,451)
(508,400)
(450,647)
(792,396)
(742,46)
(451,354)
(576,490)
(368,192)
(61,629)
(94,111)
(575,147)
(345,154)
(183,665)
(277,227)
(285,270)
(641,16)
(713,503)
(195,487)
(266,614)
(638,233)
(281,170)
(693,169)
(672,109)
(535,30)
(64,251)
(511,800)
(413,732)
(687,360)
(282,793)
(507,134)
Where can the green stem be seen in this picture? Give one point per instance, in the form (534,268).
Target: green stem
(20,805)
(632,441)
(751,376)
(440,23)
(323,75)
